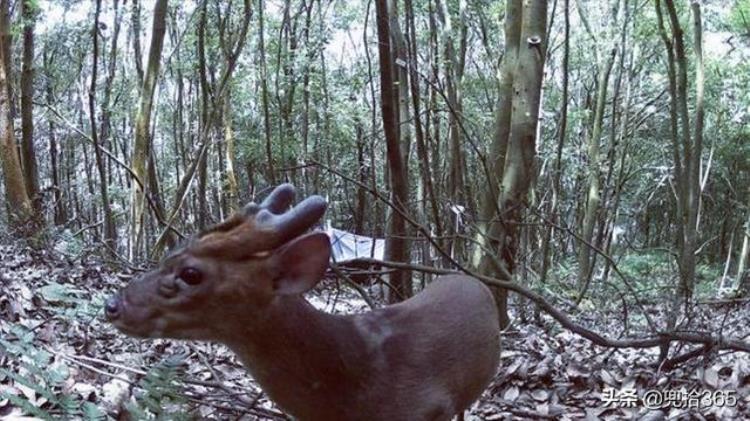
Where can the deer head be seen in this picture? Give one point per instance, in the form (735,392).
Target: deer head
(236,267)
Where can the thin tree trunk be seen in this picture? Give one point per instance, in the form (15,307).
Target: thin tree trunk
(60,214)
(361,201)
(305,129)
(28,152)
(424,159)
(232,58)
(557,175)
(231,176)
(271,174)
(689,193)
(110,236)
(593,196)
(228,51)
(142,144)
(205,124)
(135,27)
(481,259)
(396,243)
(459,190)
(743,278)
(106,112)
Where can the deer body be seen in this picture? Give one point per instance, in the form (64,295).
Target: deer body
(426,358)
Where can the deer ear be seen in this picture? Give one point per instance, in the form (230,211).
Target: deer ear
(301,263)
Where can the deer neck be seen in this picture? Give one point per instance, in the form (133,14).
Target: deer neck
(299,354)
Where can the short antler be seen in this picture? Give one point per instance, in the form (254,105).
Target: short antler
(261,228)
(277,202)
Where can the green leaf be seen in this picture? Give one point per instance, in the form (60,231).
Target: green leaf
(26,406)
(92,412)
(56,292)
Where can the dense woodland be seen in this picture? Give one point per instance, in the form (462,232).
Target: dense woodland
(591,157)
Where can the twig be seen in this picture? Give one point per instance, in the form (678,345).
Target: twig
(352,284)
(90,367)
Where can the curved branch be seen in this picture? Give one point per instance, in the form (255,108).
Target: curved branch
(716,341)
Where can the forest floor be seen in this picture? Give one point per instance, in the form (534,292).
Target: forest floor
(62,360)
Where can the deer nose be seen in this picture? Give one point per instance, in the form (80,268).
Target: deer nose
(112,308)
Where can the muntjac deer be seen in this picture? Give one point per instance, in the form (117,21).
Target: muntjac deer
(241,283)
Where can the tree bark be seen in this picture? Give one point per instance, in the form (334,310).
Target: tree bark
(513,148)
(562,134)
(28,152)
(688,149)
(593,195)
(110,230)
(396,243)
(135,27)
(271,172)
(60,211)
(142,146)
(18,202)
(230,48)
(743,278)
(422,153)
(105,127)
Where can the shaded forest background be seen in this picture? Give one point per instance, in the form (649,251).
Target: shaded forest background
(127,126)
(247,95)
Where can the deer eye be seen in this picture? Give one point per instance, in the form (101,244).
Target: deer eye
(191,276)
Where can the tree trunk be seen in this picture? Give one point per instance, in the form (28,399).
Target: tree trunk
(205,124)
(17,198)
(512,155)
(360,212)
(459,190)
(110,230)
(687,149)
(230,48)
(60,214)
(135,27)
(142,144)
(422,153)
(31,173)
(743,278)
(105,127)
(271,172)
(593,196)
(231,181)
(397,248)
(552,213)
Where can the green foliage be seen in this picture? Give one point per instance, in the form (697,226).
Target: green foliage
(161,398)
(38,371)
(68,244)
(67,301)
(652,265)
(55,292)
(739,18)
(708,274)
